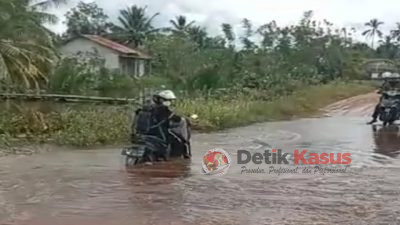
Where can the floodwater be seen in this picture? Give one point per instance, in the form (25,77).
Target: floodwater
(93,187)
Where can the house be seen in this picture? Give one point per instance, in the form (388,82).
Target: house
(117,56)
(381,69)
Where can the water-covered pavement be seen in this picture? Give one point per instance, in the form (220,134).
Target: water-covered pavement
(93,187)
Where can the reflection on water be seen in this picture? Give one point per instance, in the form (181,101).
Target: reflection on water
(178,168)
(387,140)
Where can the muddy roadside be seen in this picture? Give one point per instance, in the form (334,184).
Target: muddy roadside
(357,106)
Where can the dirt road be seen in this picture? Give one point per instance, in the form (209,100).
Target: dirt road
(358,106)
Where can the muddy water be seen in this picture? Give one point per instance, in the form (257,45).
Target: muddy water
(93,187)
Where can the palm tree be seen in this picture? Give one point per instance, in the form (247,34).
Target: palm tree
(198,34)
(26,48)
(387,48)
(37,8)
(229,34)
(44,4)
(387,41)
(180,25)
(373,30)
(135,26)
(248,32)
(396,32)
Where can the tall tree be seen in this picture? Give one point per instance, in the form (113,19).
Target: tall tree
(86,18)
(373,30)
(387,48)
(269,33)
(26,49)
(229,34)
(135,26)
(396,32)
(180,25)
(217,42)
(198,34)
(44,4)
(248,32)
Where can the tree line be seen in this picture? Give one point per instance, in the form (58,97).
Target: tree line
(268,57)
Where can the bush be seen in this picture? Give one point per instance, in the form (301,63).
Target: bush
(217,114)
(93,126)
(77,74)
(78,127)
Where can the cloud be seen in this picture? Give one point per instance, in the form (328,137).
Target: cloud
(211,13)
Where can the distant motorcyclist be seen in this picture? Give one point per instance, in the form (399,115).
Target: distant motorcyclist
(388,85)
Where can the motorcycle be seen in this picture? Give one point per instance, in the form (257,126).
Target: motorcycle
(390,107)
(148,149)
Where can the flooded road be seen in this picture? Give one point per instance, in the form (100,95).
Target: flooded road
(93,187)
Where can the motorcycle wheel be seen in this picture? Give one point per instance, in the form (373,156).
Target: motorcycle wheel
(131,161)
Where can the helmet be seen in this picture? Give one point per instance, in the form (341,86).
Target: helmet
(167,95)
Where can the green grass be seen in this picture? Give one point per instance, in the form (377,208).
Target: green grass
(222,114)
(78,127)
(89,127)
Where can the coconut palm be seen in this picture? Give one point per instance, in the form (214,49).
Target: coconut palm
(44,4)
(396,32)
(136,26)
(373,30)
(26,48)
(180,25)
(198,34)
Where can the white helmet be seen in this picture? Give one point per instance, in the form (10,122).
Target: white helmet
(167,95)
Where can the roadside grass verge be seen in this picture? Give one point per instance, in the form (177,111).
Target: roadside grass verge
(217,114)
(89,127)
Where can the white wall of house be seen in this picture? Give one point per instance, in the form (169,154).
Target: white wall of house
(84,45)
(132,66)
(141,67)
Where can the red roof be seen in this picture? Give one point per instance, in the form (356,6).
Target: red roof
(116,46)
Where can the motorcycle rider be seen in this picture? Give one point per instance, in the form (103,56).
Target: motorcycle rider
(157,118)
(386,86)
(152,118)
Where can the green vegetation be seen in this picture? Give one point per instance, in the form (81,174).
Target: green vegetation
(373,30)
(26,47)
(186,57)
(218,114)
(86,18)
(244,75)
(95,126)
(78,127)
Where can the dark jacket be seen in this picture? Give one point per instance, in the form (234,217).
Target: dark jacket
(161,115)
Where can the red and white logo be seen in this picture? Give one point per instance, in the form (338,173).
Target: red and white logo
(216,162)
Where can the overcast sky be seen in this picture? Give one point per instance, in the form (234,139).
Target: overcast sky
(211,13)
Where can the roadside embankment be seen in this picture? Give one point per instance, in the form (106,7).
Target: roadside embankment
(216,114)
(97,126)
